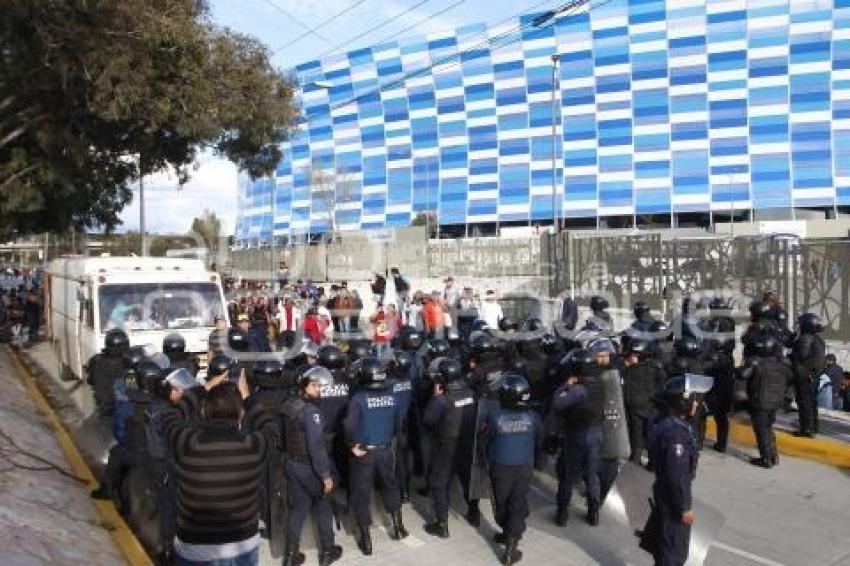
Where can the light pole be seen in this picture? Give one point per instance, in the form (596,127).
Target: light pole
(272,265)
(555,226)
(144,250)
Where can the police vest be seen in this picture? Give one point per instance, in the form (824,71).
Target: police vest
(137,438)
(460,402)
(591,412)
(379,417)
(295,438)
(332,405)
(773,380)
(640,384)
(512,440)
(156,444)
(403,391)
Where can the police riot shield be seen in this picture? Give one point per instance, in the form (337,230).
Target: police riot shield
(275,515)
(698,383)
(479,486)
(615,434)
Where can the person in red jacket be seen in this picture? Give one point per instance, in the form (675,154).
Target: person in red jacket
(314,326)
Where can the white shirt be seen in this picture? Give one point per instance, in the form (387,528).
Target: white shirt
(491,313)
(281,318)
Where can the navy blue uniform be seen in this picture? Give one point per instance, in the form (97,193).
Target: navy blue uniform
(307,466)
(372,421)
(582,441)
(450,416)
(403,393)
(673,457)
(514,439)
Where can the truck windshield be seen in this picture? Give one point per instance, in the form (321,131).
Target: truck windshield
(159,306)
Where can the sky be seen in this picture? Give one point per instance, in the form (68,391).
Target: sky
(298,31)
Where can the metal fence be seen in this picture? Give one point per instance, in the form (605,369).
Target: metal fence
(808,275)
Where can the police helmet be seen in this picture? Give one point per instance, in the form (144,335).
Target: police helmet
(759,311)
(438,347)
(688,346)
(449,371)
(810,323)
(148,376)
(267,368)
(579,362)
(600,345)
(675,395)
(134,355)
(641,309)
(403,360)
(717,304)
(237,340)
(484,343)
(598,303)
(532,325)
(548,342)
(371,374)
(116,340)
(660,330)
(219,365)
(764,345)
(358,349)
(514,392)
(331,357)
(453,336)
(314,374)
(507,323)
(640,348)
(174,343)
(411,339)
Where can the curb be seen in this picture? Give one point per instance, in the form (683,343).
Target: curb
(124,538)
(823,450)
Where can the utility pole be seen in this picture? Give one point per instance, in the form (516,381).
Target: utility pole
(144,250)
(271,240)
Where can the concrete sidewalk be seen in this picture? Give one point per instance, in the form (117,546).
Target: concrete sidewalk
(46,516)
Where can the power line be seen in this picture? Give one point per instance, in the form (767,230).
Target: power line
(422,21)
(292,17)
(374,28)
(319,26)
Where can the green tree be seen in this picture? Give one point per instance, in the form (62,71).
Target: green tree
(208,228)
(95,93)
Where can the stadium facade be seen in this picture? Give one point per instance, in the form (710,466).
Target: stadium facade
(670,112)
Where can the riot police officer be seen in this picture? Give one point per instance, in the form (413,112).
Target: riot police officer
(402,385)
(663,350)
(808,356)
(718,361)
(581,401)
(106,367)
(450,415)
(639,328)
(371,423)
(599,319)
(642,378)
(514,443)
(174,346)
(673,458)
(332,404)
(767,376)
(486,364)
(308,469)
(761,326)
(221,368)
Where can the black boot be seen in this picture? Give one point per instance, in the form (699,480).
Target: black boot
(473,515)
(292,557)
(500,538)
(437,528)
(593,516)
(512,554)
(364,541)
(562,515)
(397,530)
(761,462)
(101,493)
(405,495)
(330,555)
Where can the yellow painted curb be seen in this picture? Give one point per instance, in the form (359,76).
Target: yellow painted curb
(824,450)
(127,542)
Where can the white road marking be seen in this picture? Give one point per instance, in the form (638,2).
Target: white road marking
(745,554)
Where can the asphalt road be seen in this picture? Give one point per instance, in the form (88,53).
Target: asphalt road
(794,514)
